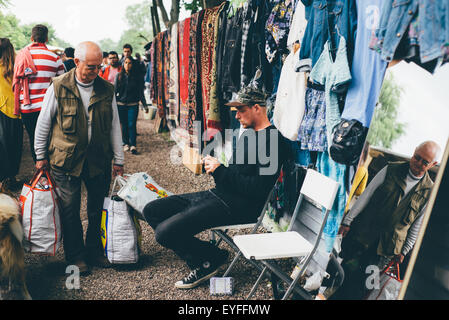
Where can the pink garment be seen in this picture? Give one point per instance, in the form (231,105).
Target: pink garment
(23,68)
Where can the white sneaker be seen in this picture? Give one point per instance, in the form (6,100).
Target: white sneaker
(125,148)
(133,150)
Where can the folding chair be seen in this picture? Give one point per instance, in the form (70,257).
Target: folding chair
(317,190)
(222,233)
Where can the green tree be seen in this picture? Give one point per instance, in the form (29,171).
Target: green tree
(11,29)
(385,129)
(20,35)
(108,45)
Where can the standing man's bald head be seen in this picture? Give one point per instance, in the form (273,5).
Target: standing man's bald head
(424,158)
(88,59)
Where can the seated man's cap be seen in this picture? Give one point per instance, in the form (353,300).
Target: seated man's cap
(249,96)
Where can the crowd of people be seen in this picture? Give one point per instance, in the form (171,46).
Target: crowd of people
(80,113)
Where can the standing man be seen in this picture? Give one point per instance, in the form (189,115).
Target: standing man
(77,136)
(47,65)
(110,72)
(385,221)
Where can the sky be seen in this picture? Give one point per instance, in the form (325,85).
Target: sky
(424,105)
(77,21)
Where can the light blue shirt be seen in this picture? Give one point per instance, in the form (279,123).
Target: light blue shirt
(368,68)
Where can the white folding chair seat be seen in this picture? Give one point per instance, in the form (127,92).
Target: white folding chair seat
(277,245)
(317,189)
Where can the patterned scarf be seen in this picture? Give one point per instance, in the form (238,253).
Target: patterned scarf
(173,109)
(211,114)
(166,68)
(194,101)
(159,77)
(184,33)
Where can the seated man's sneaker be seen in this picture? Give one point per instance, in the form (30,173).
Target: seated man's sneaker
(197,276)
(203,273)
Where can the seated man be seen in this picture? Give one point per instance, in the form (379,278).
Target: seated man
(384,222)
(240,193)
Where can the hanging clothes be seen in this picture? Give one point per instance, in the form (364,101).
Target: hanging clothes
(337,172)
(194,85)
(173,113)
(312,131)
(211,112)
(396,17)
(183,47)
(298,25)
(247,19)
(368,68)
(159,91)
(277,28)
(325,17)
(290,99)
(229,65)
(154,71)
(257,71)
(332,74)
(166,70)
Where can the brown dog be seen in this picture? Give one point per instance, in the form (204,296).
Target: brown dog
(12,264)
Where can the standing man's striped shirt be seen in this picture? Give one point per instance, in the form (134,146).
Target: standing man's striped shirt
(48,65)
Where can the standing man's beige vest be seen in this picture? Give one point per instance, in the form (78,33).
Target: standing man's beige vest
(69,148)
(388,216)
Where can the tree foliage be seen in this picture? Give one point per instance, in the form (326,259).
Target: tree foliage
(385,129)
(20,35)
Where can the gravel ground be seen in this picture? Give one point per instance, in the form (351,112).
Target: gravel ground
(154,276)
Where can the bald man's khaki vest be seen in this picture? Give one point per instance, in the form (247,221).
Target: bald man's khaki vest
(388,216)
(69,148)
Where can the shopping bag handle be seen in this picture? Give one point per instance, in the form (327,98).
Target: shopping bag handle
(397,275)
(38,175)
(118,180)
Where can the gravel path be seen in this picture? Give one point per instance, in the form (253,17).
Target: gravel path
(154,276)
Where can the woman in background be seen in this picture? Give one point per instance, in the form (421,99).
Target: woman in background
(129,85)
(11,130)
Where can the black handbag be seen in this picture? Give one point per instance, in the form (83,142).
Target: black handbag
(347,142)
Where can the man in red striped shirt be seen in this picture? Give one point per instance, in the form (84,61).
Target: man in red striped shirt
(48,65)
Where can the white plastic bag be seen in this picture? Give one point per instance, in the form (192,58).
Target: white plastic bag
(290,99)
(139,189)
(120,231)
(40,216)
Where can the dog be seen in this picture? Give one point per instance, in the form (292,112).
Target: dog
(12,262)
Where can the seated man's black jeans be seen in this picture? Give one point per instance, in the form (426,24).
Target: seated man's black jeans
(177,219)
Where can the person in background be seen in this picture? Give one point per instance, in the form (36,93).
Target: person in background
(77,137)
(141,64)
(384,222)
(67,59)
(105,62)
(110,72)
(129,85)
(127,52)
(34,68)
(11,130)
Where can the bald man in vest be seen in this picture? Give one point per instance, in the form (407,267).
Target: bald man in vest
(77,137)
(384,222)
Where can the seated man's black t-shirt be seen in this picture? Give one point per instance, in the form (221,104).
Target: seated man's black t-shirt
(252,172)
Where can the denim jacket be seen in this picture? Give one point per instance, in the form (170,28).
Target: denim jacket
(327,17)
(396,17)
